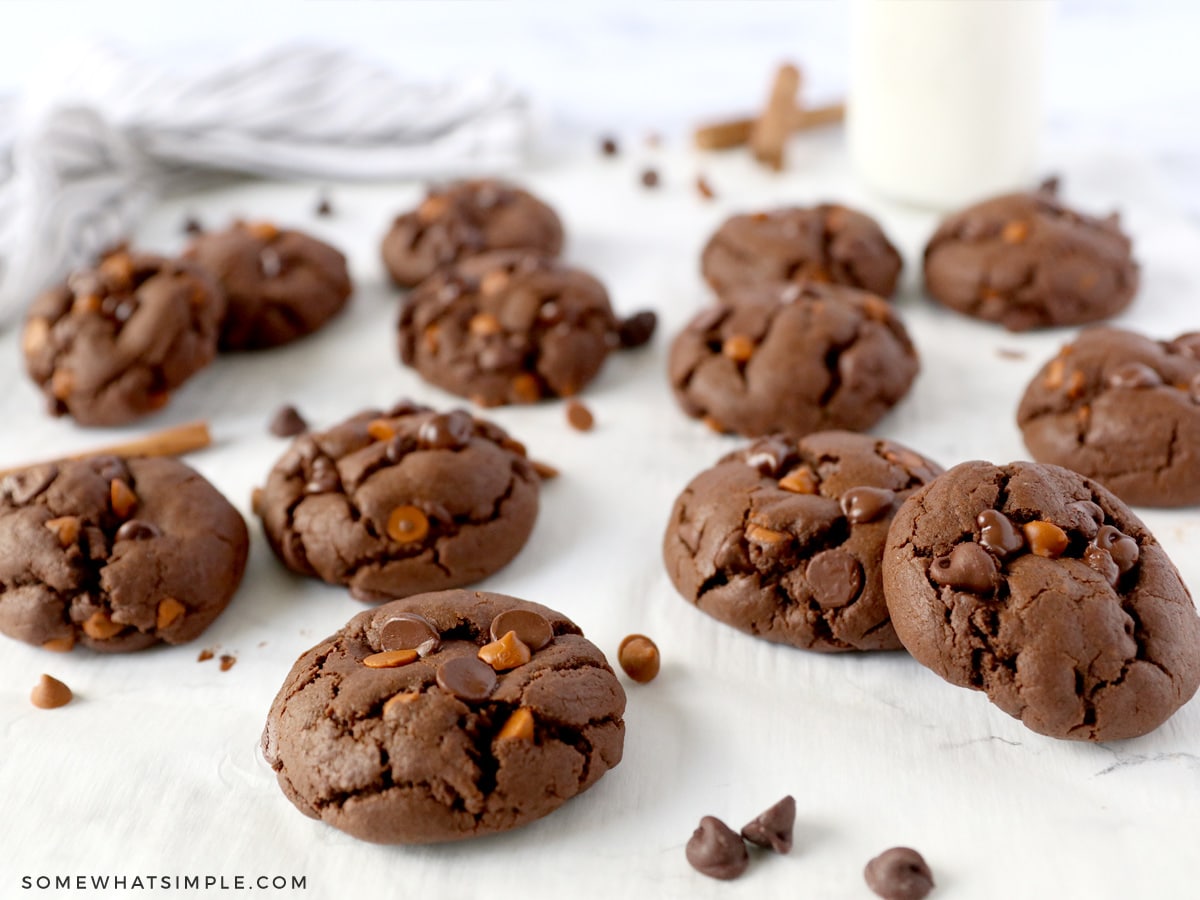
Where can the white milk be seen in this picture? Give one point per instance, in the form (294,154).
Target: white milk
(945,102)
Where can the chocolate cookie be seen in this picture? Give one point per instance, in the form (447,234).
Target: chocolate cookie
(1122,409)
(464,219)
(445,716)
(116,554)
(797,359)
(827,243)
(1041,588)
(280,284)
(1027,261)
(508,328)
(399,502)
(111,343)
(783,540)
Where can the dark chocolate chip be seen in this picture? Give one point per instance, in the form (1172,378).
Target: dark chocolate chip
(409,631)
(772,456)
(1101,560)
(773,828)
(969,567)
(608,146)
(835,578)
(137,530)
(650,178)
(899,874)
(447,431)
(534,630)
(322,481)
(23,486)
(108,467)
(998,533)
(638,329)
(287,422)
(399,447)
(1093,518)
(467,678)
(324,207)
(716,850)
(1134,375)
(191,225)
(867,504)
(1187,344)
(1123,549)
(405,408)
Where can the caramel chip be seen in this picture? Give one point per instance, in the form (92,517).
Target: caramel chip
(1015,232)
(33,340)
(760,535)
(396,701)
(432,208)
(391,659)
(1045,539)
(86,303)
(738,347)
(518,727)
(60,645)
(544,471)
(484,324)
(62,382)
(579,416)
(525,388)
(264,231)
(407,525)
(639,658)
(506,653)
(118,267)
(493,282)
(65,528)
(170,611)
(381,429)
(124,500)
(50,693)
(800,481)
(1055,373)
(100,627)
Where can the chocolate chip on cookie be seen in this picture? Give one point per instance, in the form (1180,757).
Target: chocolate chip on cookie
(1039,587)
(784,539)
(1028,261)
(827,243)
(508,328)
(112,342)
(115,554)
(444,746)
(900,873)
(796,359)
(464,219)
(1122,409)
(396,502)
(281,284)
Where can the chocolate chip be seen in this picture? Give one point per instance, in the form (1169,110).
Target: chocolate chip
(608,146)
(1091,520)
(899,874)
(532,628)
(835,578)
(399,447)
(867,504)
(579,416)
(1187,344)
(639,658)
(637,330)
(448,431)
(716,850)
(270,263)
(998,533)
(50,693)
(467,678)
(23,486)
(1101,560)
(772,456)
(968,567)
(1120,546)
(287,422)
(650,178)
(227,661)
(324,207)
(773,828)
(137,530)
(409,631)
(1134,375)
(322,481)
(191,225)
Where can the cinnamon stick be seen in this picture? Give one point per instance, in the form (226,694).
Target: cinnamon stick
(770,132)
(723,135)
(169,442)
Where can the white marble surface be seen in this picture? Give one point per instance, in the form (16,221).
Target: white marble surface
(154,770)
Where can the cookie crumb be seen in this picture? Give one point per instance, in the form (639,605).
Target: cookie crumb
(638,656)
(900,873)
(287,422)
(192,225)
(50,693)
(227,662)
(324,206)
(579,416)
(204,656)
(608,146)
(650,178)
(1010,353)
(704,188)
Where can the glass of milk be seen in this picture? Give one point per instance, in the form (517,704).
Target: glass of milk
(945,102)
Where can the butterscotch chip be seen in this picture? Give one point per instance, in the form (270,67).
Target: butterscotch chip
(506,653)
(204,655)
(525,388)
(544,471)
(639,658)
(518,727)
(118,267)
(87,303)
(391,659)
(704,188)
(100,627)
(493,282)
(381,429)
(1045,539)
(429,338)
(124,500)
(716,426)
(256,496)
(169,612)
(1015,232)
(265,231)
(801,481)
(398,700)
(60,645)
(33,340)
(738,347)
(407,524)
(432,208)
(484,323)
(66,528)
(62,382)
(1055,374)
(759,535)
(227,661)
(1076,384)
(579,416)
(50,693)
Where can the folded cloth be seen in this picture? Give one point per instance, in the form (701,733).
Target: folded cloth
(100,135)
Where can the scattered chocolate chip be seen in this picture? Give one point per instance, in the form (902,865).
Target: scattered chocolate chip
(534,629)
(773,828)
(704,188)
(650,178)
(867,504)
(608,146)
(638,329)
(579,416)
(137,530)
(287,422)
(1134,376)
(716,850)
(227,661)
(899,874)
(771,456)
(447,431)
(998,533)
(324,206)
(639,658)
(835,578)
(969,567)
(1121,547)
(50,693)
(467,678)
(1101,560)
(409,631)
(191,225)
(204,656)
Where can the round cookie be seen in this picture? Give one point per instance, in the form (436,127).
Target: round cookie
(430,742)
(400,502)
(796,359)
(112,342)
(829,243)
(1039,587)
(508,328)
(280,284)
(115,554)
(464,219)
(1027,261)
(1123,409)
(783,539)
